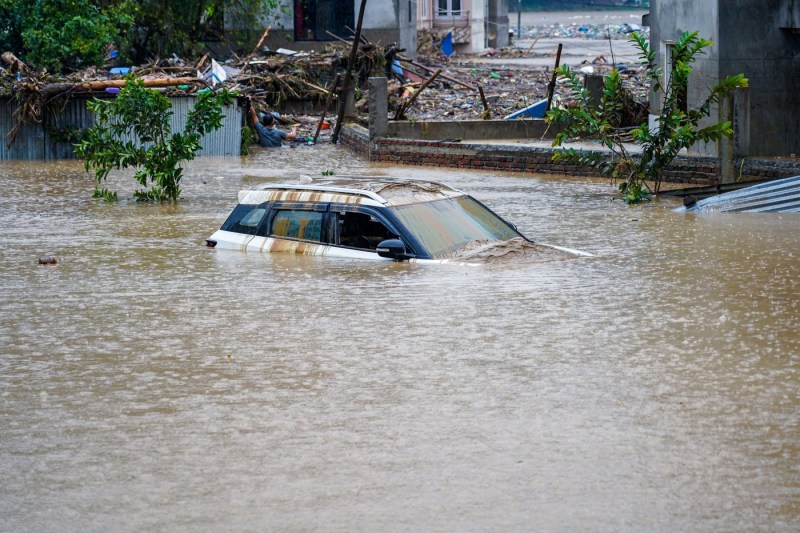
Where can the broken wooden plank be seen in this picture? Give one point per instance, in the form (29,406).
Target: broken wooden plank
(414,96)
(53,89)
(429,70)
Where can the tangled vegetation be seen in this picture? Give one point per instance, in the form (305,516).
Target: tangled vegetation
(69,35)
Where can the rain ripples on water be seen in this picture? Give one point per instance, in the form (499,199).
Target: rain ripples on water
(150,383)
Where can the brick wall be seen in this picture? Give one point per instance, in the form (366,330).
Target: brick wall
(516,158)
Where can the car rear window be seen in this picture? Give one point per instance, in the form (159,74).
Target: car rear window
(245,219)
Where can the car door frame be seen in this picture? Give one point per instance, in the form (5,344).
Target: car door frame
(381,215)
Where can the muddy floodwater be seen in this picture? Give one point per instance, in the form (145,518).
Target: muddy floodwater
(148,383)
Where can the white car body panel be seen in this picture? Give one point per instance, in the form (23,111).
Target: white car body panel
(370,193)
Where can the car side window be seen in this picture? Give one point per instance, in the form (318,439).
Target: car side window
(297,224)
(245,218)
(361,230)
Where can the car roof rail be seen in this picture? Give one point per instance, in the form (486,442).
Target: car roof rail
(342,190)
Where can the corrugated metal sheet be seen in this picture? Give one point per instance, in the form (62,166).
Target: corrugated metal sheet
(29,141)
(36,142)
(225,141)
(774,196)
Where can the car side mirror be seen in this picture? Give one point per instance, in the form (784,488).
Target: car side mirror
(392,249)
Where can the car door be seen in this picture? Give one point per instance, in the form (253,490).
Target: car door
(356,231)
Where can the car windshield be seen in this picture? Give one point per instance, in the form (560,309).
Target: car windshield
(444,226)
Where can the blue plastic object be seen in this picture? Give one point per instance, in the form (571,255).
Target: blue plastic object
(532,111)
(120,70)
(447,44)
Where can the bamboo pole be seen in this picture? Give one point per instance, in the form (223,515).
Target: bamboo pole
(551,88)
(327,103)
(54,88)
(255,50)
(347,74)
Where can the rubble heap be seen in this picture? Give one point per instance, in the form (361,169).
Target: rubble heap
(431,88)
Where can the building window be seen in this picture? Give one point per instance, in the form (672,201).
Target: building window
(449,8)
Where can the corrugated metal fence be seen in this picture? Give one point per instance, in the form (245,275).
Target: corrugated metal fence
(37,142)
(782,196)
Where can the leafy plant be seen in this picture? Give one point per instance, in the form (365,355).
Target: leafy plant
(58,34)
(104,194)
(164,28)
(248,138)
(63,35)
(677,128)
(133,130)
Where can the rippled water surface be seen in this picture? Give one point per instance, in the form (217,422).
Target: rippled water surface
(149,383)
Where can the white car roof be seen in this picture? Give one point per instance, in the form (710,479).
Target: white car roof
(379,192)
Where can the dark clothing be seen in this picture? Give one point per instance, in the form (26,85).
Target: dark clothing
(270,137)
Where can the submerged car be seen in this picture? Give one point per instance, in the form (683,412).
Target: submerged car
(371,218)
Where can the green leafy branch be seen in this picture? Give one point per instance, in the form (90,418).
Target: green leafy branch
(677,129)
(133,131)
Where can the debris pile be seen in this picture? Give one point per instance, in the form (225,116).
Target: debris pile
(432,87)
(582,31)
(506,88)
(268,79)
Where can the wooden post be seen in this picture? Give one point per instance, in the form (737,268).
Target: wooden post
(486,111)
(347,74)
(551,88)
(327,104)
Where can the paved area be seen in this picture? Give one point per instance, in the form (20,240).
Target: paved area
(575,52)
(548,144)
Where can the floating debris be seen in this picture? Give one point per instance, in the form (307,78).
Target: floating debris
(517,250)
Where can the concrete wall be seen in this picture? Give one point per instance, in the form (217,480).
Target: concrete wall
(669,19)
(538,160)
(753,42)
(750,37)
(497,23)
(434,130)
